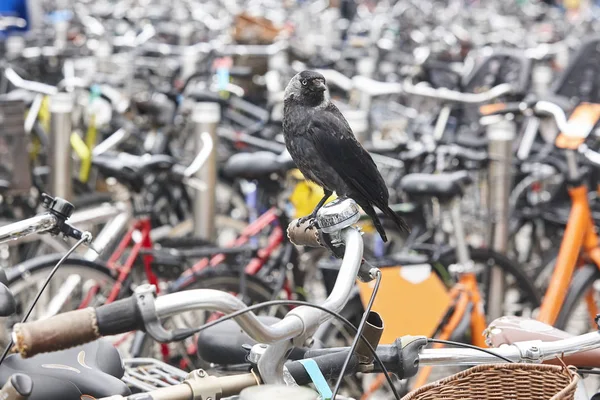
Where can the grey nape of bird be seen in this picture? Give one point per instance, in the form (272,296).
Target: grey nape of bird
(324,148)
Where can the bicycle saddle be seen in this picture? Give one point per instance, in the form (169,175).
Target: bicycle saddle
(508,330)
(207,96)
(258,165)
(444,186)
(158,108)
(84,372)
(223,343)
(131,170)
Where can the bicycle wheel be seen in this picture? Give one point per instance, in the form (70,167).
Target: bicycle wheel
(521,296)
(224,278)
(575,314)
(78,283)
(579,310)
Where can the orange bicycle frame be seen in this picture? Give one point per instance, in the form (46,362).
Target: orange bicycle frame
(579,234)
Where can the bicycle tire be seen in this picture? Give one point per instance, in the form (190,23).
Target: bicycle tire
(226,279)
(583,280)
(508,267)
(25,279)
(33,265)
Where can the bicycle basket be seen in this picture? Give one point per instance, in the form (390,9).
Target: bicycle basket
(147,374)
(503,381)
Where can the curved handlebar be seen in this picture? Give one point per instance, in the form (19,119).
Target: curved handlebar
(554,110)
(455,96)
(32,86)
(129,314)
(591,155)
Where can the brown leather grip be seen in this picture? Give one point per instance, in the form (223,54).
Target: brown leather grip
(56,333)
(303,234)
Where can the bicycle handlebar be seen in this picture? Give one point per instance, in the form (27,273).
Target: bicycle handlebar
(38,224)
(53,221)
(32,86)
(144,311)
(557,112)
(456,96)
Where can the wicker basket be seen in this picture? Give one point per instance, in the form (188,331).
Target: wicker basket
(503,381)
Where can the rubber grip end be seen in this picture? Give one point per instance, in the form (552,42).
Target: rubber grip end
(60,332)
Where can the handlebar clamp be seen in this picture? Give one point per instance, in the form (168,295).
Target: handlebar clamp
(145,296)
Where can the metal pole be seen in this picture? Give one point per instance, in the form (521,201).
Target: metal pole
(206,117)
(501,135)
(60,161)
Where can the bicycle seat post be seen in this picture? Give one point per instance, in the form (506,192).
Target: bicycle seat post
(465,264)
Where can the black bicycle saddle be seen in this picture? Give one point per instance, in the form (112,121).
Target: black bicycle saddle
(258,165)
(129,169)
(224,343)
(84,372)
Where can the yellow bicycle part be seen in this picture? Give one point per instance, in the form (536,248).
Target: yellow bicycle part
(85,155)
(44,119)
(306,195)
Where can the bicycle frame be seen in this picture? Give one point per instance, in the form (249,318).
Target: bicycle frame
(275,239)
(139,234)
(579,235)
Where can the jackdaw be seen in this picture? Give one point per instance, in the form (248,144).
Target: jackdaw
(324,148)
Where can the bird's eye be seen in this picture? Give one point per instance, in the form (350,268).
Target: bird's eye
(304,82)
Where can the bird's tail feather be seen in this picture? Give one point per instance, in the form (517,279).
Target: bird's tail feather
(371,213)
(396,218)
(379,228)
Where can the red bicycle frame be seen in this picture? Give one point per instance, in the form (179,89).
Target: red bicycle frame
(257,263)
(139,234)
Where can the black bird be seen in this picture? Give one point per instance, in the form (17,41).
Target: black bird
(324,148)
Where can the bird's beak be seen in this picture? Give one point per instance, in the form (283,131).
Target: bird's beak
(318,85)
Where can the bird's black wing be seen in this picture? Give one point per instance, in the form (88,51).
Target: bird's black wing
(334,141)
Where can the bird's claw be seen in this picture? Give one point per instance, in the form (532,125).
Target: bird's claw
(312,224)
(302,220)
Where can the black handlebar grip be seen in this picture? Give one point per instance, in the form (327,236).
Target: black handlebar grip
(60,332)
(119,317)
(330,366)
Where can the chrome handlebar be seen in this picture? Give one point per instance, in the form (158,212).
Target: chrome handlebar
(455,96)
(560,117)
(53,221)
(38,224)
(375,88)
(301,320)
(555,111)
(529,351)
(32,86)
(336,220)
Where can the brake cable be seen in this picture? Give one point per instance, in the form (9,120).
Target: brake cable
(85,237)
